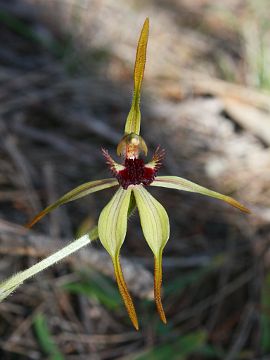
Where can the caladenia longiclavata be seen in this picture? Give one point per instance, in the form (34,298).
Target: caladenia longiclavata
(133,177)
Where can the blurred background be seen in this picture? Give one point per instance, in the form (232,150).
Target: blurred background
(66,84)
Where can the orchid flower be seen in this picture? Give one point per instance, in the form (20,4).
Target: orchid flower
(133,177)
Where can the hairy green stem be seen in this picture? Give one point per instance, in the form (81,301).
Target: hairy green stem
(11,284)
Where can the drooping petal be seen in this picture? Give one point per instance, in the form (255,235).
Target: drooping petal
(156,230)
(78,192)
(134,116)
(112,228)
(175,182)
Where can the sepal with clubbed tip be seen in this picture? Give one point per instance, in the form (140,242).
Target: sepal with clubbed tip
(112,228)
(156,230)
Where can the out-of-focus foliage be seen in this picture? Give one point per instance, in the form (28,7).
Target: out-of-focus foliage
(45,339)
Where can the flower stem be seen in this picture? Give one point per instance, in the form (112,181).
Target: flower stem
(11,284)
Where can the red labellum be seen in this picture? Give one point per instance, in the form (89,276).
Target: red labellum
(135,173)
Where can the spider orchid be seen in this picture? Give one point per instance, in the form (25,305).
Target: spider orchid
(134,177)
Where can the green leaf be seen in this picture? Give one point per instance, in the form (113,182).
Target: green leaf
(45,339)
(175,182)
(211,352)
(182,281)
(97,287)
(179,349)
(78,192)
(18,26)
(134,117)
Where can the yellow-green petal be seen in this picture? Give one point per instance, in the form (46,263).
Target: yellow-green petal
(178,183)
(78,192)
(112,228)
(156,230)
(134,117)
